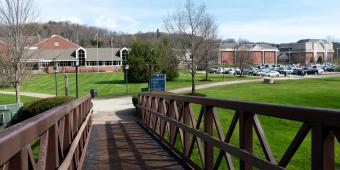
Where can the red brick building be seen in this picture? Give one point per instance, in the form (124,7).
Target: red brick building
(260,53)
(61,54)
(55,42)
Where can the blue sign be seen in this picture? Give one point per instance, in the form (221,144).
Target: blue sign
(158,82)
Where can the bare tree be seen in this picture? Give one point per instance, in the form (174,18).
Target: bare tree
(210,44)
(242,56)
(190,24)
(16,16)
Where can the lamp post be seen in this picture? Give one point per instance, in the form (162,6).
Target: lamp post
(150,69)
(337,55)
(77,71)
(56,80)
(126,77)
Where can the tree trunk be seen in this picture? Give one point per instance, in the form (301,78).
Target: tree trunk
(192,82)
(17,93)
(206,73)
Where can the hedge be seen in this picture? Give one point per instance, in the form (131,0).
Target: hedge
(36,107)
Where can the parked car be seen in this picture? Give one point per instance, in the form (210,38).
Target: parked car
(314,70)
(271,74)
(298,71)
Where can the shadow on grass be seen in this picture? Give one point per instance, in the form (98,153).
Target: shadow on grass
(111,82)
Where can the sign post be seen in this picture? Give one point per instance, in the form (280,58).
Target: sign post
(158,82)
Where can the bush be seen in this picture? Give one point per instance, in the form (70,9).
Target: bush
(36,107)
(337,69)
(135,101)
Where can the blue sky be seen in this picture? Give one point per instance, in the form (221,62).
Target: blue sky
(256,20)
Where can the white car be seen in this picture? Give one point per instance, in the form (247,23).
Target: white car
(272,74)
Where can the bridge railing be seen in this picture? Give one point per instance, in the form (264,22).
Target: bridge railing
(55,139)
(170,118)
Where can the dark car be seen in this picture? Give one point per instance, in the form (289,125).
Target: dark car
(299,72)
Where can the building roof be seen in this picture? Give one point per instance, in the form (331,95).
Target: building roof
(104,54)
(312,40)
(251,46)
(53,54)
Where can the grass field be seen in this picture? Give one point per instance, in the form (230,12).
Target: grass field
(107,84)
(10,99)
(308,92)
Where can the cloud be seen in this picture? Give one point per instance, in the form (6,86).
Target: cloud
(105,22)
(281,30)
(73,20)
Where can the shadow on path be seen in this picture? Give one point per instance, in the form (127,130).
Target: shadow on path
(121,143)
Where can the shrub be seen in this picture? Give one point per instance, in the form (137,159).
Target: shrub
(337,69)
(36,107)
(135,100)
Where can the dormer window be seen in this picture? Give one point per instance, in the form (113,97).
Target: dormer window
(56,43)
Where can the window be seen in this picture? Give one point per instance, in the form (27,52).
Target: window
(56,43)
(81,57)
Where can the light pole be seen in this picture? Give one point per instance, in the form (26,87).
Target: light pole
(56,80)
(150,69)
(77,73)
(337,55)
(126,77)
(289,56)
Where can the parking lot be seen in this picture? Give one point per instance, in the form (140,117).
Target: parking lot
(279,70)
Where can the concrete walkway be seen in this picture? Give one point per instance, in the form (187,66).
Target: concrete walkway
(38,95)
(292,77)
(204,86)
(118,142)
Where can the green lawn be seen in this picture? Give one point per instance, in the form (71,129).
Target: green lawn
(10,99)
(308,92)
(107,84)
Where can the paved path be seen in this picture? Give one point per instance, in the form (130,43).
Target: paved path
(118,142)
(204,86)
(38,95)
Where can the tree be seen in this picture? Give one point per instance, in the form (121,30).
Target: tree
(168,60)
(189,24)
(159,55)
(16,16)
(209,53)
(243,56)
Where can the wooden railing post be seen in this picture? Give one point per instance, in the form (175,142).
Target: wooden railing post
(322,148)
(173,112)
(186,121)
(245,136)
(208,129)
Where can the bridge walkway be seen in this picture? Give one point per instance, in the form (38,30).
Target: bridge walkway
(118,142)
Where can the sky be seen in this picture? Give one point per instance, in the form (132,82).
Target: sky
(276,21)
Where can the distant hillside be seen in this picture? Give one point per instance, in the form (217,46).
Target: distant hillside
(85,35)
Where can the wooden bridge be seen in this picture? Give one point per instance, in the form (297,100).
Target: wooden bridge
(163,133)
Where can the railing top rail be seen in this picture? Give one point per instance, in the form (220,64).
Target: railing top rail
(14,138)
(328,117)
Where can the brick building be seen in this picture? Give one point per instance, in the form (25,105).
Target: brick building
(59,53)
(307,51)
(260,53)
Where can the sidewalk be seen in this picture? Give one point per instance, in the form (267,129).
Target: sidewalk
(204,86)
(38,95)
